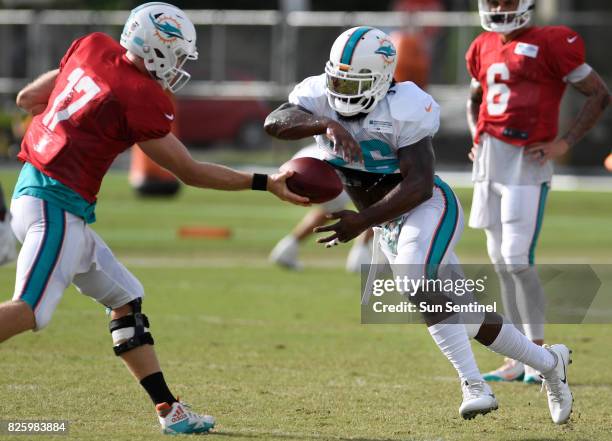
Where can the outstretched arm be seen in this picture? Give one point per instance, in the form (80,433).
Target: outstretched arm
(33,97)
(171,154)
(597,100)
(417,168)
(293,122)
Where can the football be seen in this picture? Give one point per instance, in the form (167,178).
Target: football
(313,178)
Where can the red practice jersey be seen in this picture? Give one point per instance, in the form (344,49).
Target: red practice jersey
(523,81)
(101,105)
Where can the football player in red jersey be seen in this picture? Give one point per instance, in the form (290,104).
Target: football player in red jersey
(519,74)
(104,98)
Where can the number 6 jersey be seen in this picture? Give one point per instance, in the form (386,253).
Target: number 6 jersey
(101,105)
(523,81)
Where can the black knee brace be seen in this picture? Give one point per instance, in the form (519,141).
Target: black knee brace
(132,328)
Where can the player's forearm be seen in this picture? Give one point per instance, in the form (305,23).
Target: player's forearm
(216,177)
(473,109)
(33,97)
(408,194)
(587,118)
(289,122)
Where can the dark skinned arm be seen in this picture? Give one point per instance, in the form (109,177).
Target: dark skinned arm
(291,122)
(597,100)
(417,169)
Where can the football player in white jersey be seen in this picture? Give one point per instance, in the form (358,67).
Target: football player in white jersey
(8,251)
(378,134)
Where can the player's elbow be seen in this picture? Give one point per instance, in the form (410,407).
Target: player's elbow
(273,126)
(188,176)
(24,100)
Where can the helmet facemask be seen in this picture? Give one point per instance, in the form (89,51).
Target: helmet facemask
(174,77)
(505,22)
(353,93)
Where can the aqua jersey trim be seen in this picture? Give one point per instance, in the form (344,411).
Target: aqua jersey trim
(33,182)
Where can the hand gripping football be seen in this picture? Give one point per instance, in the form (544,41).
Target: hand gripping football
(313,178)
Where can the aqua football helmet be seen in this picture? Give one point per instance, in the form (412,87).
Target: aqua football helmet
(360,70)
(505,22)
(165,38)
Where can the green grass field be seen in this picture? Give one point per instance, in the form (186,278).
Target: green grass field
(276,355)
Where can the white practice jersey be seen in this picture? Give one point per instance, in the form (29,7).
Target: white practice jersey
(405,116)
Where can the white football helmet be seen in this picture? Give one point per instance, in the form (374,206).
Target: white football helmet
(360,70)
(165,38)
(506,21)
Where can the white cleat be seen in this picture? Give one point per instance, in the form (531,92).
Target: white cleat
(478,399)
(560,398)
(285,253)
(8,252)
(178,418)
(360,254)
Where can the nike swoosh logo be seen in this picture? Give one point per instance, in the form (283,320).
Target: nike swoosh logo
(564,379)
(428,108)
(570,40)
(169,116)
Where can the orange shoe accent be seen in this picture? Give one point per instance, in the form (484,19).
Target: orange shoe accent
(163,409)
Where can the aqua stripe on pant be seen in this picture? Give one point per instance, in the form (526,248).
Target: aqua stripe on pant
(47,256)
(445,231)
(536,233)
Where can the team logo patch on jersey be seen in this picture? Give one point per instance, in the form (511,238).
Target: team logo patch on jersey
(387,51)
(167,28)
(526,49)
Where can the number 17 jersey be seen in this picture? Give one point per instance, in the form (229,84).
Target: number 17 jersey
(523,81)
(101,105)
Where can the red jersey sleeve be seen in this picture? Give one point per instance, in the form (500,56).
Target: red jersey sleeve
(73,47)
(472,59)
(149,114)
(566,50)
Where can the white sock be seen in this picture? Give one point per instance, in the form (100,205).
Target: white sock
(453,341)
(511,343)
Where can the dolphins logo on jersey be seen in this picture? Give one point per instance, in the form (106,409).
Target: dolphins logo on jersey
(387,51)
(169,27)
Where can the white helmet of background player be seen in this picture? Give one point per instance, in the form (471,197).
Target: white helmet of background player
(360,70)
(506,21)
(165,38)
